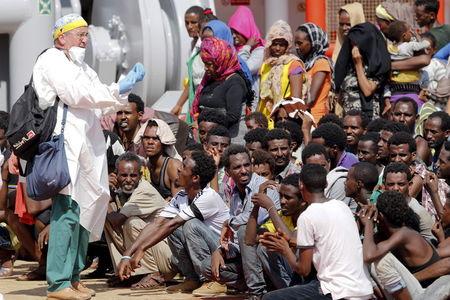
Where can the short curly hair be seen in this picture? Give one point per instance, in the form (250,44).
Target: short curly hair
(401,138)
(407,100)
(278,134)
(133,98)
(364,118)
(376,125)
(394,208)
(370,136)
(259,118)
(212,116)
(397,167)
(205,167)
(396,29)
(232,150)
(260,157)
(218,130)
(292,179)
(394,127)
(293,129)
(314,149)
(445,119)
(314,177)
(332,134)
(129,157)
(331,118)
(256,135)
(367,173)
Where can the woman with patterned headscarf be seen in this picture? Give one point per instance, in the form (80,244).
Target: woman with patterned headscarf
(281,72)
(223,88)
(312,43)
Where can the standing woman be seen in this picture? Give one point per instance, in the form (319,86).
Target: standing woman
(192,20)
(282,72)
(248,42)
(223,88)
(349,15)
(361,70)
(312,43)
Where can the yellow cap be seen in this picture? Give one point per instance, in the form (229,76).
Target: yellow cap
(68,23)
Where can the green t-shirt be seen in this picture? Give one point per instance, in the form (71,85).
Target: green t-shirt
(442,35)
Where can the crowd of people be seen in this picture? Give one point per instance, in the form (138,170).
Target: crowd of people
(296,173)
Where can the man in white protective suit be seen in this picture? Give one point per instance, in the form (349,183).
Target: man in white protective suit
(79,210)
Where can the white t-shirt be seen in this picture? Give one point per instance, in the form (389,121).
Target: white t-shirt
(207,206)
(330,229)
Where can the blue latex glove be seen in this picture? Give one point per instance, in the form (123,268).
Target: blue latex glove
(136,74)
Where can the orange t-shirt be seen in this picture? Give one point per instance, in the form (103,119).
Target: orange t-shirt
(320,107)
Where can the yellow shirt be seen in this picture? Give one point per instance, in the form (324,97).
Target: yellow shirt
(287,220)
(265,105)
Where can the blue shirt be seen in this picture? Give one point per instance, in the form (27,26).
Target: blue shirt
(240,209)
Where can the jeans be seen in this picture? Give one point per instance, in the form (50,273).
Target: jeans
(309,291)
(232,274)
(253,271)
(191,244)
(275,267)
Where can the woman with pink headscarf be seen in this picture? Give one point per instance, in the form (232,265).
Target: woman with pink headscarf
(248,42)
(223,87)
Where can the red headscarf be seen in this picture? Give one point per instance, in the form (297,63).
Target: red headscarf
(223,57)
(243,22)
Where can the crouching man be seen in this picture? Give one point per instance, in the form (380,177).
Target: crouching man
(135,203)
(192,222)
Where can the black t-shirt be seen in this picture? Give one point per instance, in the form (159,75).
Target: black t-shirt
(226,96)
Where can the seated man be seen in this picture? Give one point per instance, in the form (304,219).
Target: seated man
(256,120)
(405,111)
(158,141)
(317,154)
(134,204)
(263,164)
(335,140)
(217,141)
(197,211)
(129,121)
(328,237)
(402,148)
(368,150)
(362,179)
(386,133)
(278,143)
(236,161)
(274,264)
(397,177)
(399,226)
(208,119)
(296,138)
(255,139)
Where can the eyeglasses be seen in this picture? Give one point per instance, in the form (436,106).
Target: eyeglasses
(80,35)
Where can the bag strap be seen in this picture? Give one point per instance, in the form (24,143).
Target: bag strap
(63,122)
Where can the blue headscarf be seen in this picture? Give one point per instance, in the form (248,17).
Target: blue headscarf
(223,32)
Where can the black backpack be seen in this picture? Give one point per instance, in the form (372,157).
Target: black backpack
(29,125)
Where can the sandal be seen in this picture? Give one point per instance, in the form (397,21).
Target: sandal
(115,282)
(152,282)
(35,275)
(5,272)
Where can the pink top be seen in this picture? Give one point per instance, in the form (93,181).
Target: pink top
(243,22)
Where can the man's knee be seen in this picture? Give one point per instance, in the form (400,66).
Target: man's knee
(193,226)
